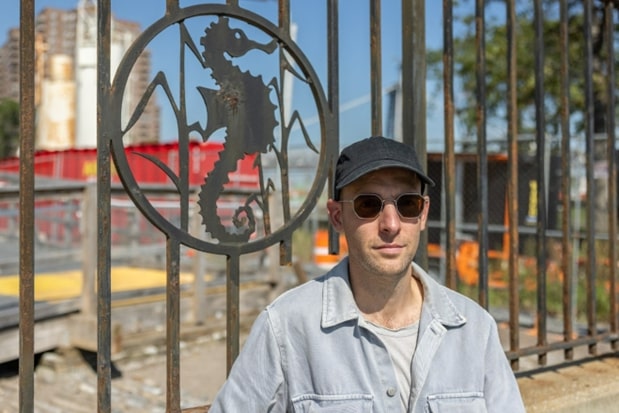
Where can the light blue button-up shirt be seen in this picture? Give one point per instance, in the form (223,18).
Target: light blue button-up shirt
(308,352)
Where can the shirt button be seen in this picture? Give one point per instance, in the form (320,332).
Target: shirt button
(391,391)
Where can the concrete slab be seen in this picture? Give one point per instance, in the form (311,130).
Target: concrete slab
(588,385)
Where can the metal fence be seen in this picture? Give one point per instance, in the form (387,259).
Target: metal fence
(260,120)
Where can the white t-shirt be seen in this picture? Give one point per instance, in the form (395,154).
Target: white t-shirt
(401,345)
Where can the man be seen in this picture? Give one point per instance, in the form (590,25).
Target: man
(376,333)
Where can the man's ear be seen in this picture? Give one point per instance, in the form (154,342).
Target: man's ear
(424,214)
(334,210)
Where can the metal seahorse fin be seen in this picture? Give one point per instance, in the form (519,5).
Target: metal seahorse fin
(217,113)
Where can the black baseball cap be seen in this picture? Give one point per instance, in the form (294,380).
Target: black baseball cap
(371,154)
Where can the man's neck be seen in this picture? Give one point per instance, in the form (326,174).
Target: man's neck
(390,303)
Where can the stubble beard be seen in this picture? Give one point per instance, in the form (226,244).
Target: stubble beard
(379,266)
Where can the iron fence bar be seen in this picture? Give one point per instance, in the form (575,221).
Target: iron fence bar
(482,152)
(512,185)
(173,310)
(449,161)
(104,283)
(26,206)
(232,307)
(414,92)
(183,138)
(612,170)
(333,99)
(285,247)
(171,6)
(540,139)
(590,164)
(561,345)
(376,77)
(568,327)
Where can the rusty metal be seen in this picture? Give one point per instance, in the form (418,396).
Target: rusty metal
(540,139)
(26,207)
(233,317)
(254,226)
(414,91)
(590,164)
(449,161)
(250,123)
(612,171)
(104,220)
(333,87)
(173,326)
(482,152)
(512,184)
(376,75)
(568,279)
(560,345)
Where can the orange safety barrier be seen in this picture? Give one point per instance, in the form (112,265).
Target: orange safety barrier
(322,258)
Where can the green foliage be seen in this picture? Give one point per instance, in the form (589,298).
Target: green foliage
(496,79)
(528,286)
(9,128)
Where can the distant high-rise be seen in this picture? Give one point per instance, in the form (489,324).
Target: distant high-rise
(66,77)
(9,67)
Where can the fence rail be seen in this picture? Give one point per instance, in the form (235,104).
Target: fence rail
(271,217)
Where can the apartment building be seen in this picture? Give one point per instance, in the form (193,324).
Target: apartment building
(66,114)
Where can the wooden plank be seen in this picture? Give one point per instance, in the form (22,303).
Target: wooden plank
(48,334)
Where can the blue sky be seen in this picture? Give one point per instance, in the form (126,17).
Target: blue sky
(310,16)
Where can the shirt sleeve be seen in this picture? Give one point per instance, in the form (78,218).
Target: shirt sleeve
(256,381)
(501,388)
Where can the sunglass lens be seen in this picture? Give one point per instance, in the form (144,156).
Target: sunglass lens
(410,205)
(367,206)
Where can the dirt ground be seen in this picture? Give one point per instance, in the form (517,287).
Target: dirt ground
(66,381)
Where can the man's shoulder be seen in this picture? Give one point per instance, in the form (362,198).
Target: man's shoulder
(467,306)
(300,296)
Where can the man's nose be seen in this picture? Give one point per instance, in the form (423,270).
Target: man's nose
(389,217)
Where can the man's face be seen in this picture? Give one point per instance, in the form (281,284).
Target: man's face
(385,245)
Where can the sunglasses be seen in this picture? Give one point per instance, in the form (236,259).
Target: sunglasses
(369,206)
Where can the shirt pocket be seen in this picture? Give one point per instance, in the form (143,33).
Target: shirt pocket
(333,403)
(465,402)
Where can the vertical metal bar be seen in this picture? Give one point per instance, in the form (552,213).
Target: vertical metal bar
(183,142)
(512,184)
(540,140)
(171,6)
(285,247)
(26,206)
(449,161)
(482,162)
(612,172)
(233,269)
(104,284)
(568,330)
(414,91)
(333,96)
(376,77)
(284,15)
(173,322)
(590,164)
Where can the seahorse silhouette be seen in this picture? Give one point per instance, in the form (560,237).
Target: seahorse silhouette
(241,105)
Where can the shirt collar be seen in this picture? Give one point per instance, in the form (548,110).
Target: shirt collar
(338,303)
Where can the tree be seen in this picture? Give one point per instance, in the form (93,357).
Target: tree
(9,128)
(496,67)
